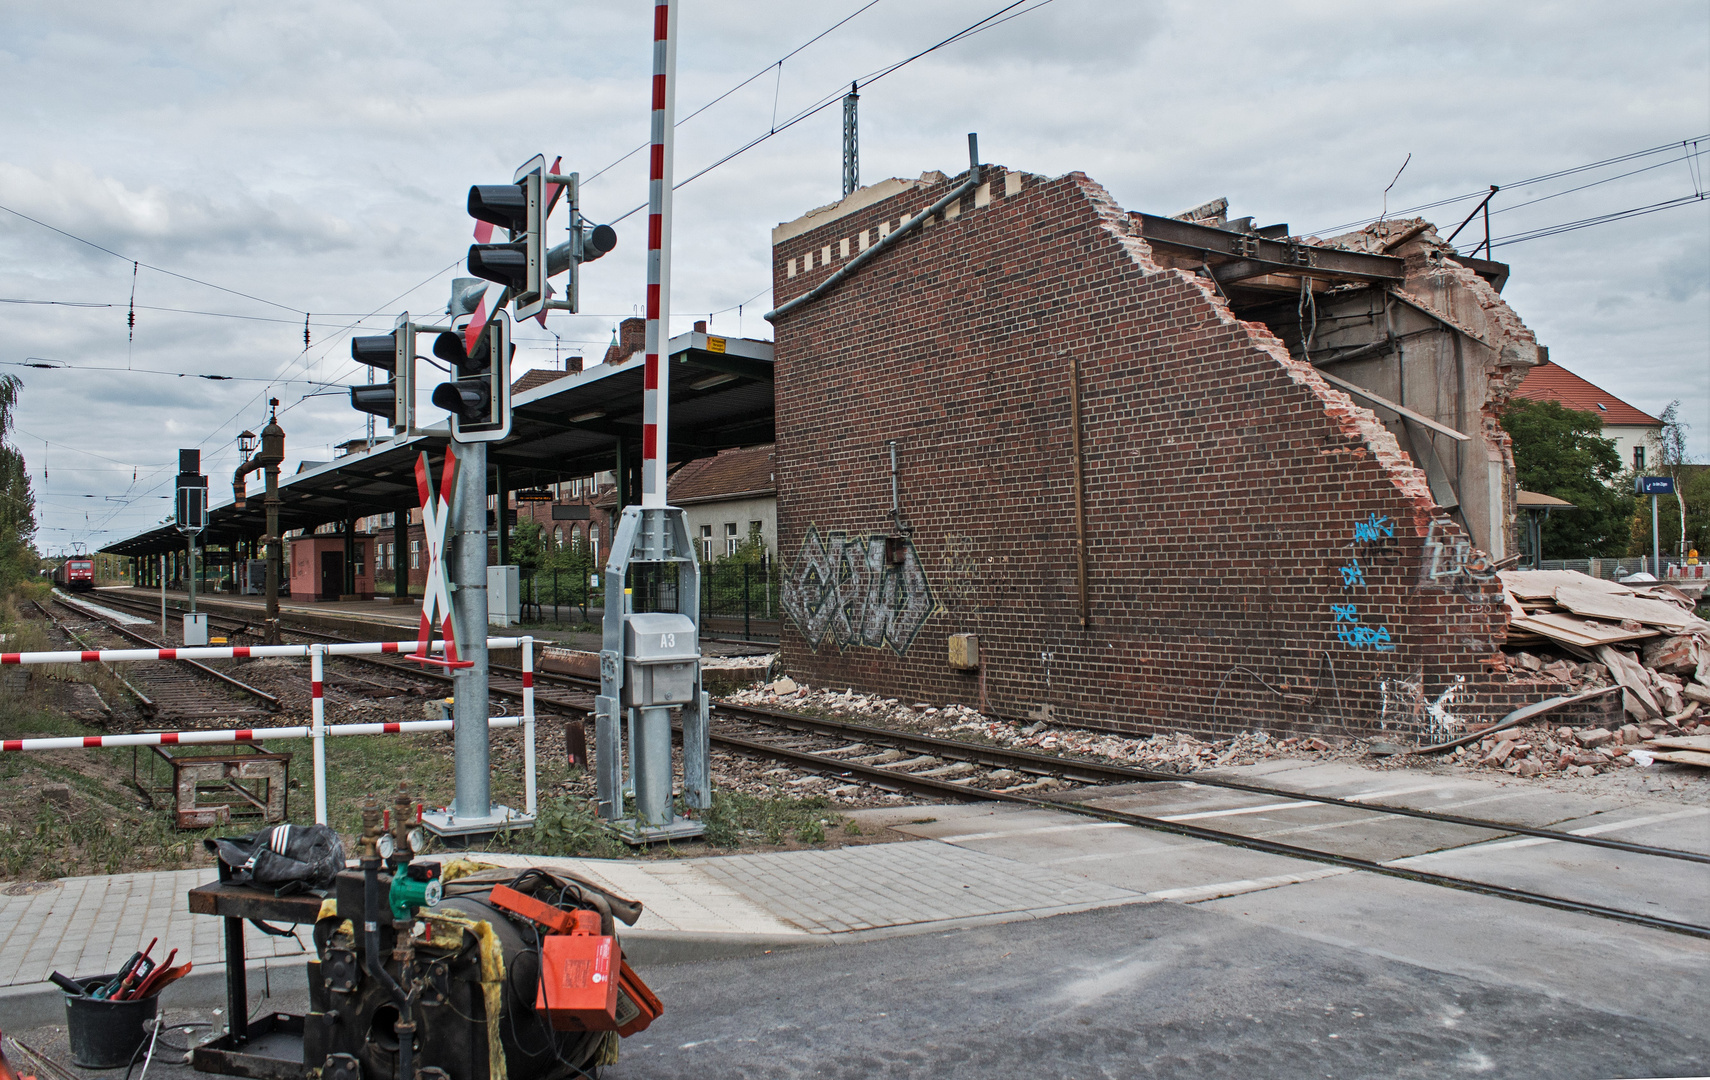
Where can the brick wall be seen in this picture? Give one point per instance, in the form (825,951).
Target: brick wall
(1260,551)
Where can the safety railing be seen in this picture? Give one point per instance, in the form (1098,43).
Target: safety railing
(317,730)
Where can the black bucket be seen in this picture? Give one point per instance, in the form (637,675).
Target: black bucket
(106,1034)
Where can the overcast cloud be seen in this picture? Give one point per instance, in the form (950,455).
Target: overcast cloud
(315,156)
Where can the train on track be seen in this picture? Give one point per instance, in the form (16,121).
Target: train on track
(75,575)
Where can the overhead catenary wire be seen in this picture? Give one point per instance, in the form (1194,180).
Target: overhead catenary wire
(1556,175)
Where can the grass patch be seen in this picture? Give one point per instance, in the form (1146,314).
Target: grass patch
(736,818)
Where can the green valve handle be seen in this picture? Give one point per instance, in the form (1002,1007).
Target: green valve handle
(415,885)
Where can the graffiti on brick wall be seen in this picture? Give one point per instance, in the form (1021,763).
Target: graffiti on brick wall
(1352,629)
(1452,562)
(844,588)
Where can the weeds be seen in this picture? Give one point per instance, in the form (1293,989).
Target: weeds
(736,817)
(63,843)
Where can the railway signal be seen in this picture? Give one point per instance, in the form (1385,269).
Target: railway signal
(395,353)
(522,263)
(479,397)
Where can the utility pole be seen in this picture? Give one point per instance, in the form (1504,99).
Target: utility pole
(469,599)
(851,144)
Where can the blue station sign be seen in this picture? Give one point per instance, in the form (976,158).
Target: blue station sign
(1653,485)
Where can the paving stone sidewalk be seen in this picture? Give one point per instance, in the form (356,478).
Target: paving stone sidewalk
(90,925)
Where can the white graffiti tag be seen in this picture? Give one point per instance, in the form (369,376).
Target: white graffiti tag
(843,586)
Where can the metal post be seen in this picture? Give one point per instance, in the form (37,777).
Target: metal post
(1656,543)
(318,730)
(163,594)
(502,515)
(851,143)
(190,569)
(655,395)
(469,597)
(747,628)
(528,724)
(275,553)
(400,565)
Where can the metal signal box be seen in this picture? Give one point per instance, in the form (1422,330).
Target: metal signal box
(662,653)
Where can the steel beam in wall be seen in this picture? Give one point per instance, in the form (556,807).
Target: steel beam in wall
(1246,255)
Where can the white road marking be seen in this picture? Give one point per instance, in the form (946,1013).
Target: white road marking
(1238,810)
(1193,894)
(1387,792)
(1534,841)
(964,837)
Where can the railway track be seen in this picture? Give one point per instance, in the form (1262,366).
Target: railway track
(952,769)
(160,688)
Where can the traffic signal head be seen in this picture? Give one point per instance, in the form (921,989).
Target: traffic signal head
(520,208)
(395,353)
(479,396)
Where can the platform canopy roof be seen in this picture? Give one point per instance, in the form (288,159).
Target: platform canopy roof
(721,397)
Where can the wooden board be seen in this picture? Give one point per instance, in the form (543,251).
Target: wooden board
(1542,584)
(1615,608)
(1578,631)
(1683,742)
(1684,757)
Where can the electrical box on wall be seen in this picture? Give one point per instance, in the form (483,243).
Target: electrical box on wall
(965,652)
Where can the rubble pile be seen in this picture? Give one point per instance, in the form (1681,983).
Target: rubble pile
(1569,632)
(1178,752)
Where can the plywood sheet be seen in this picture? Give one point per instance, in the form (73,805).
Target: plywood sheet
(1683,757)
(1682,742)
(1542,584)
(1603,605)
(1576,630)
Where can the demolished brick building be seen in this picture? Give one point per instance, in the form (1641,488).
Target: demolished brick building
(1169,473)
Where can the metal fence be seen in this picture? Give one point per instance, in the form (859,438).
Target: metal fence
(737,597)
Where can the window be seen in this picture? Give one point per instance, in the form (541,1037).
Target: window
(756,529)
(706,542)
(730,538)
(415,554)
(1638,459)
(558,536)
(361,556)
(594,541)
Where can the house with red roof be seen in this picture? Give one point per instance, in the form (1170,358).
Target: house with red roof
(1632,429)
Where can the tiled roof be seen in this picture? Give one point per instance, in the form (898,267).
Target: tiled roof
(1552,382)
(730,473)
(537,377)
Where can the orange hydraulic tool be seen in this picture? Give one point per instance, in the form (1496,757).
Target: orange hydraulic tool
(579,977)
(585,984)
(556,920)
(637,1007)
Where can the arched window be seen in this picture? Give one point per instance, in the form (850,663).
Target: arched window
(558,536)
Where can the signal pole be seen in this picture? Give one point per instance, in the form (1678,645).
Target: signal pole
(469,599)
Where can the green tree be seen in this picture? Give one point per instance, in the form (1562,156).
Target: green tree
(1563,453)
(17,502)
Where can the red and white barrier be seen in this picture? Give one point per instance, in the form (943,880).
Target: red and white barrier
(317,729)
(238,652)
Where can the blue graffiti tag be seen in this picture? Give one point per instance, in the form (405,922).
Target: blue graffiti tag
(1352,576)
(1350,631)
(1373,529)
(1361,636)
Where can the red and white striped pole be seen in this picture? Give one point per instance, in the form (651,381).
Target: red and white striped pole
(656,385)
(528,724)
(318,731)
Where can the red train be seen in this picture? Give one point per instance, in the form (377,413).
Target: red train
(77,575)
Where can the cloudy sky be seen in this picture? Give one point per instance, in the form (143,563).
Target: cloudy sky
(267,162)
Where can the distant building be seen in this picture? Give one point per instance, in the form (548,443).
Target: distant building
(1631,429)
(727,498)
